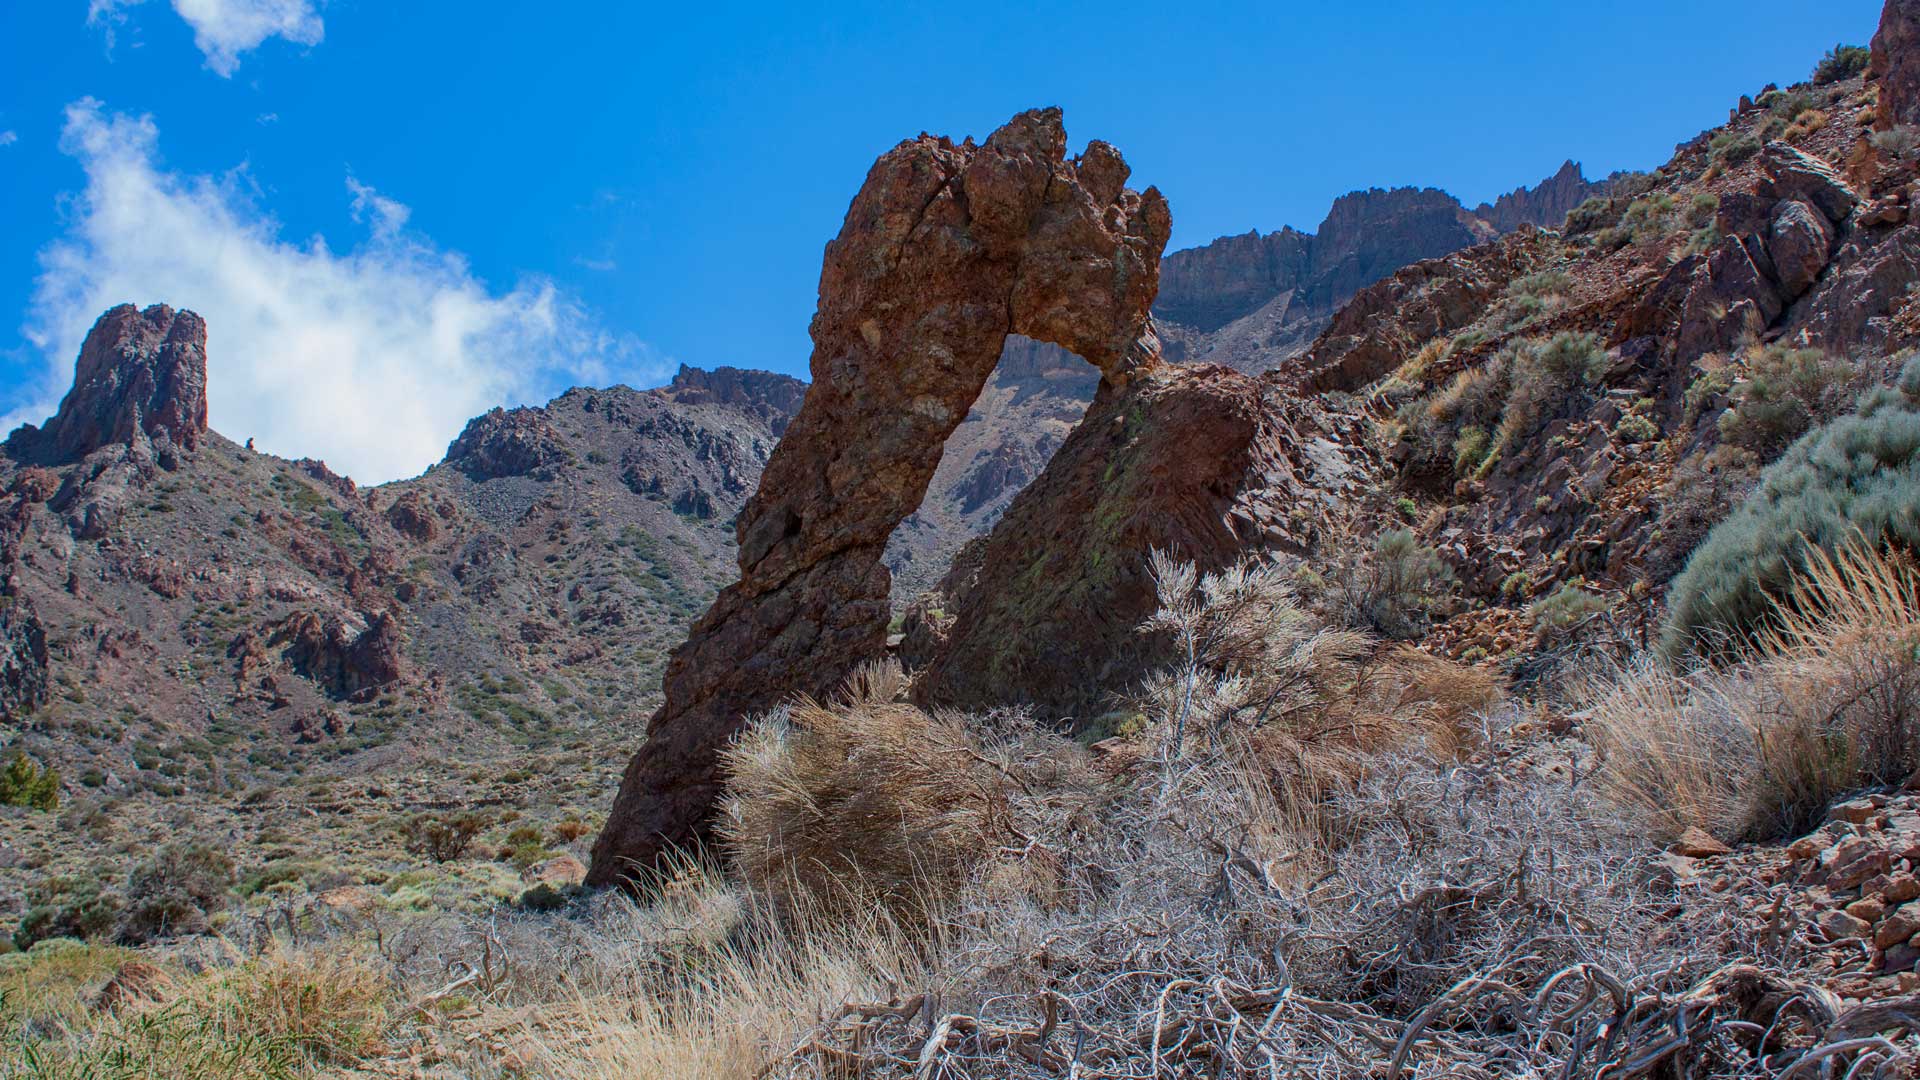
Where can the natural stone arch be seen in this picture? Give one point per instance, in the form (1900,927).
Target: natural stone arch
(945,251)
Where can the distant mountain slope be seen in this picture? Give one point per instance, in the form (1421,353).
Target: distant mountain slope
(209,613)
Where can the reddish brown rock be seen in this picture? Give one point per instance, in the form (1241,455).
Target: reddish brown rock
(946,250)
(508,442)
(1696,843)
(1201,462)
(412,515)
(341,660)
(141,375)
(1895,64)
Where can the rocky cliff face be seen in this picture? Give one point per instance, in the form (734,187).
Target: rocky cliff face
(1546,204)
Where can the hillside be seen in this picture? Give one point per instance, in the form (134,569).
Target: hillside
(1451,643)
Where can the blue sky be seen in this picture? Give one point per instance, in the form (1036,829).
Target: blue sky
(397,213)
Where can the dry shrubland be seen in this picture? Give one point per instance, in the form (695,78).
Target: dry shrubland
(1309,852)
(1827,703)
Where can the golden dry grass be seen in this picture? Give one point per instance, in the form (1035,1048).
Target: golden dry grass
(863,799)
(1828,702)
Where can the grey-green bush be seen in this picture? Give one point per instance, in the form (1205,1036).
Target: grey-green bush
(1859,473)
(1841,62)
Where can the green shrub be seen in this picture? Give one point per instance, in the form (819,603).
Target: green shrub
(1536,294)
(1787,391)
(66,907)
(174,891)
(1841,62)
(1858,475)
(1729,148)
(1544,376)
(1649,218)
(1403,584)
(1469,449)
(1564,610)
(1635,428)
(24,784)
(1589,215)
(1702,208)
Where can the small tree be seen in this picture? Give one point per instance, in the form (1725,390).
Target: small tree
(24,784)
(1841,62)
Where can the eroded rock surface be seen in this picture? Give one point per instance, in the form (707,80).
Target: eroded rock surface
(141,376)
(1895,63)
(946,250)
(1202,462)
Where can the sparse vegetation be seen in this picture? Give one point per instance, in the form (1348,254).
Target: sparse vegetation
(175,891)
(441,837)
(1785,392)
(1828,704)
(1840,62)
(22,783)
(1899,142)
(1855,476)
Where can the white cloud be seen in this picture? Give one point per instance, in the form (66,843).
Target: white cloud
(372,358)
(9,137)
(223,29)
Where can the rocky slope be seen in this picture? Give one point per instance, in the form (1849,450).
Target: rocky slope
(180,610)
(1249,302)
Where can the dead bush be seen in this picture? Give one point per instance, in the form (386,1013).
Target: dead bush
(866,799)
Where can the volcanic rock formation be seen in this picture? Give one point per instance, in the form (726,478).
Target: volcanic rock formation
(1202,462)
(946,250)
(1895,64)
(142,375)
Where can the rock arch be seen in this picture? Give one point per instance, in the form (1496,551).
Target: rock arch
(946,250)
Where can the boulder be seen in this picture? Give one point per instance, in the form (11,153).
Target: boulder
(947,249)
(1800,240)
(557,872)
(1791,174)
(1202,462)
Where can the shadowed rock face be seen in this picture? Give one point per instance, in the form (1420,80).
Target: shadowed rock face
(1199,461)
(141,375)
(946,250)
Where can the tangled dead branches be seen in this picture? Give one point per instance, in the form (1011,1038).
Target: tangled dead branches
(1581,1020)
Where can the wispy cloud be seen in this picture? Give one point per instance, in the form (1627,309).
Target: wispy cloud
(372,358)
(601,266)
(224,29)
(9,137)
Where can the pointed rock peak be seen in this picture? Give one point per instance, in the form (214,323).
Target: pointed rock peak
(141,376)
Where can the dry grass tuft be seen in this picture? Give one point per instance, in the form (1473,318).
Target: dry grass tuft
(1827,703)
(866,799)
(1454,699)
